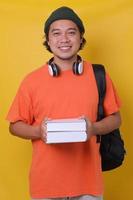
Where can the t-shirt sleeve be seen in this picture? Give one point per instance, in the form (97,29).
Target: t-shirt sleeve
(21,108)
(112,101)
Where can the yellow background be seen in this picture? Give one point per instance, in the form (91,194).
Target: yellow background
(109,34)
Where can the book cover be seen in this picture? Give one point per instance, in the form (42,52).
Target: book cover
(66,125)
(66,137)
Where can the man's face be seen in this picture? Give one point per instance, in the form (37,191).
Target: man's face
(64,39)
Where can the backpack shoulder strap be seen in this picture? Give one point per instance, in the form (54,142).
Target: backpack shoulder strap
(99,72)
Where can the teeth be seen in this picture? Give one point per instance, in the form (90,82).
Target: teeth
(64,48)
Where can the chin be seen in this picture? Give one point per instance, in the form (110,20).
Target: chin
(66,57)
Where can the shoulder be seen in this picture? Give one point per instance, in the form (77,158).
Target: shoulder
(36,73)
(87,66)
(34,77)
(87,63)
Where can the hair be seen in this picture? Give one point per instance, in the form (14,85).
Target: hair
(45,43)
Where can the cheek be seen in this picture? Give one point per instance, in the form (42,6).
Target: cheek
(52,42)
(78,42)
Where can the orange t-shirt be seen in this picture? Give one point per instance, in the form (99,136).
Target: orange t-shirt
(60,170)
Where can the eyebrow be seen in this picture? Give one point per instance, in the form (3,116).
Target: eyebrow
(58,29)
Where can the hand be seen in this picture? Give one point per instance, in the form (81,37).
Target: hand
(89,127)
(43,130)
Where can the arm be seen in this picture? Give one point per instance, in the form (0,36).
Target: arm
(105,125)
(26,131)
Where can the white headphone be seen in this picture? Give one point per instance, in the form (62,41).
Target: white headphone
(55,71)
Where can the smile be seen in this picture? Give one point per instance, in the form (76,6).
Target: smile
(65,47)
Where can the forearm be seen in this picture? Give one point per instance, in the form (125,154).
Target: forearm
(107,124)
(24,130)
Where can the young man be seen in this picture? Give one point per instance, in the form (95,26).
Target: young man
(65,87)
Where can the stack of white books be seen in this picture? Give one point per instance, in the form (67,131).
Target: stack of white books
(66,130)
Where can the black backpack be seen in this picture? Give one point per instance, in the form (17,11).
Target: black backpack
(111,145)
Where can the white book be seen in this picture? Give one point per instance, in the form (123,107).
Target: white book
(66,125)
(66,137)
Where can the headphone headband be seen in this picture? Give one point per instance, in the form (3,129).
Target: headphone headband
(55,71)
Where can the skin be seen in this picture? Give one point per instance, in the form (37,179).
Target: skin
(64,40)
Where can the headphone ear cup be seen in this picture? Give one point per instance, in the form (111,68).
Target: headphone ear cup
(78,68)
(75,68)
(53,69)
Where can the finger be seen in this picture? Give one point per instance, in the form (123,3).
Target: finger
(44,132)
(81,117)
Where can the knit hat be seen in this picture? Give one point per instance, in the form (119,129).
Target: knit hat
(63,13)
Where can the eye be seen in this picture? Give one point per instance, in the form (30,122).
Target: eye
(56,34)
(71,32)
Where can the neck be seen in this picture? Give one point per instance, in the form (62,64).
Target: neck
(65,64)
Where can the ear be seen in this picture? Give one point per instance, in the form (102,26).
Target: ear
(81,40)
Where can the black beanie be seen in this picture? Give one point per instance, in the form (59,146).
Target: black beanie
(63,13)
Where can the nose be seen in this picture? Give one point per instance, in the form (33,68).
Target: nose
(64,37)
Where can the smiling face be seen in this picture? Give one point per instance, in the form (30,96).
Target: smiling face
(64,39)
